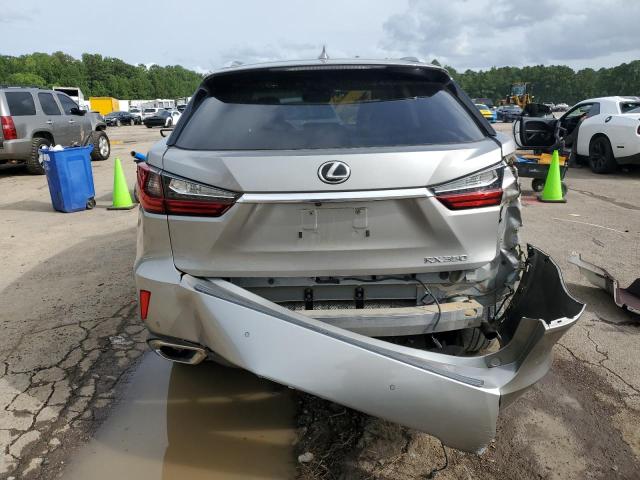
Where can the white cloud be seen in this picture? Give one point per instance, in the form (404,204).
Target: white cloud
(206,35)
(484,33)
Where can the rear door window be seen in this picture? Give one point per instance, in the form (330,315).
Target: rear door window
(48,104)
(67,103)
(20,103)
(627,107)
(326,109)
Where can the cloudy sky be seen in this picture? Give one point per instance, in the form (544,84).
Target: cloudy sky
(205,35)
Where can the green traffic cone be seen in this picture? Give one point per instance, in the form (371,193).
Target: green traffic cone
(121,195)
(552,191)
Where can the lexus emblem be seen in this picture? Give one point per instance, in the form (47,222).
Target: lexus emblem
(334,172)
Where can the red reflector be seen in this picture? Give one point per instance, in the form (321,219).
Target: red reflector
(9,131)
(145,298)
(461,201)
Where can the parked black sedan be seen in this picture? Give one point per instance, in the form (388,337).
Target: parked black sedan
(163,118)
(115,119)
(508,113)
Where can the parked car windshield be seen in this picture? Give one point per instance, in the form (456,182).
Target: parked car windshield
(149,110)
(312,110)
(481,106)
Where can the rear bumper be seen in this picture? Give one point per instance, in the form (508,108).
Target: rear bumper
(15,149)
(456,399)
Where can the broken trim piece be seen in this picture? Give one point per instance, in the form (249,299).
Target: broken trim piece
(625,298)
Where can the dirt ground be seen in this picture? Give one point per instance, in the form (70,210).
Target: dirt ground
(71,346)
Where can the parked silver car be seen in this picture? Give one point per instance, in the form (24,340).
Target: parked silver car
(32,118)
(349,229)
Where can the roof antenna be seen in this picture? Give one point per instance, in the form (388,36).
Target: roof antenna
(323,55)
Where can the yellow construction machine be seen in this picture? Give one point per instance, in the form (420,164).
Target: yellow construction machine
(520,95)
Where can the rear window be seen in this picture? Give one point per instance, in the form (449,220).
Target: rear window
(289,110)
(149,110)
(629,107)
(20,103)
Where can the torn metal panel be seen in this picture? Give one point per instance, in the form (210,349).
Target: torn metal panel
(626,298)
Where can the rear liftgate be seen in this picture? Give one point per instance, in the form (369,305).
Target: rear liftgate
(456,399)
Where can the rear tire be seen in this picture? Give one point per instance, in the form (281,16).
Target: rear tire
(101,146)
(148,126)
(473,340)
(35,165)
(463,342)
(601,158)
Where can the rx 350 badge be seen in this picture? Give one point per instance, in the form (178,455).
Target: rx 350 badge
(446,259)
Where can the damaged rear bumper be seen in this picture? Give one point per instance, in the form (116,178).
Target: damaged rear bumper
(456,399)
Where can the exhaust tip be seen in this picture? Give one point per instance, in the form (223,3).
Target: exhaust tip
(177,352)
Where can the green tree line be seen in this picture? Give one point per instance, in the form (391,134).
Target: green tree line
(554,83)
(98,76)
(105,76)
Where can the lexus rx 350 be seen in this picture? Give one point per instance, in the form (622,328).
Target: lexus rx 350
(349,229)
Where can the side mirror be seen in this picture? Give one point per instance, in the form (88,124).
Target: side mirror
(77,111)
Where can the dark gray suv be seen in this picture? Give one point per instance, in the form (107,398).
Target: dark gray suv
(34,117)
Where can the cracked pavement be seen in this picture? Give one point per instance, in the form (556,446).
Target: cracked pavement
(68,316)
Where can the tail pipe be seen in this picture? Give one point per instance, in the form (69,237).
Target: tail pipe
(177,352)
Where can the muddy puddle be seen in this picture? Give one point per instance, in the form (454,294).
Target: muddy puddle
(192,422)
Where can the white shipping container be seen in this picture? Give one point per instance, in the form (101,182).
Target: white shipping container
(123,105)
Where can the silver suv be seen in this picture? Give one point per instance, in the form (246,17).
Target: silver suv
(350,229)
(33,117)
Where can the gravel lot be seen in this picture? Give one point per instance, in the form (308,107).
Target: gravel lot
(71,339)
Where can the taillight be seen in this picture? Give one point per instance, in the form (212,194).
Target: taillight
(9,131)
(480,189)
(162,193)
(145,298)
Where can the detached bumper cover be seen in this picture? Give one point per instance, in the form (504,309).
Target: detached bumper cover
(626,298)
(456,399)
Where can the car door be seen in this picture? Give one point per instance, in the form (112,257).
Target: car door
(74,128)
(537,132)
(54,118)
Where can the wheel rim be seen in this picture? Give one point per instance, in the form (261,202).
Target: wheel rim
(41,158)
(103,146)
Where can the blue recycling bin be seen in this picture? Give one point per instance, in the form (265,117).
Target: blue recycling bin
(70,178)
